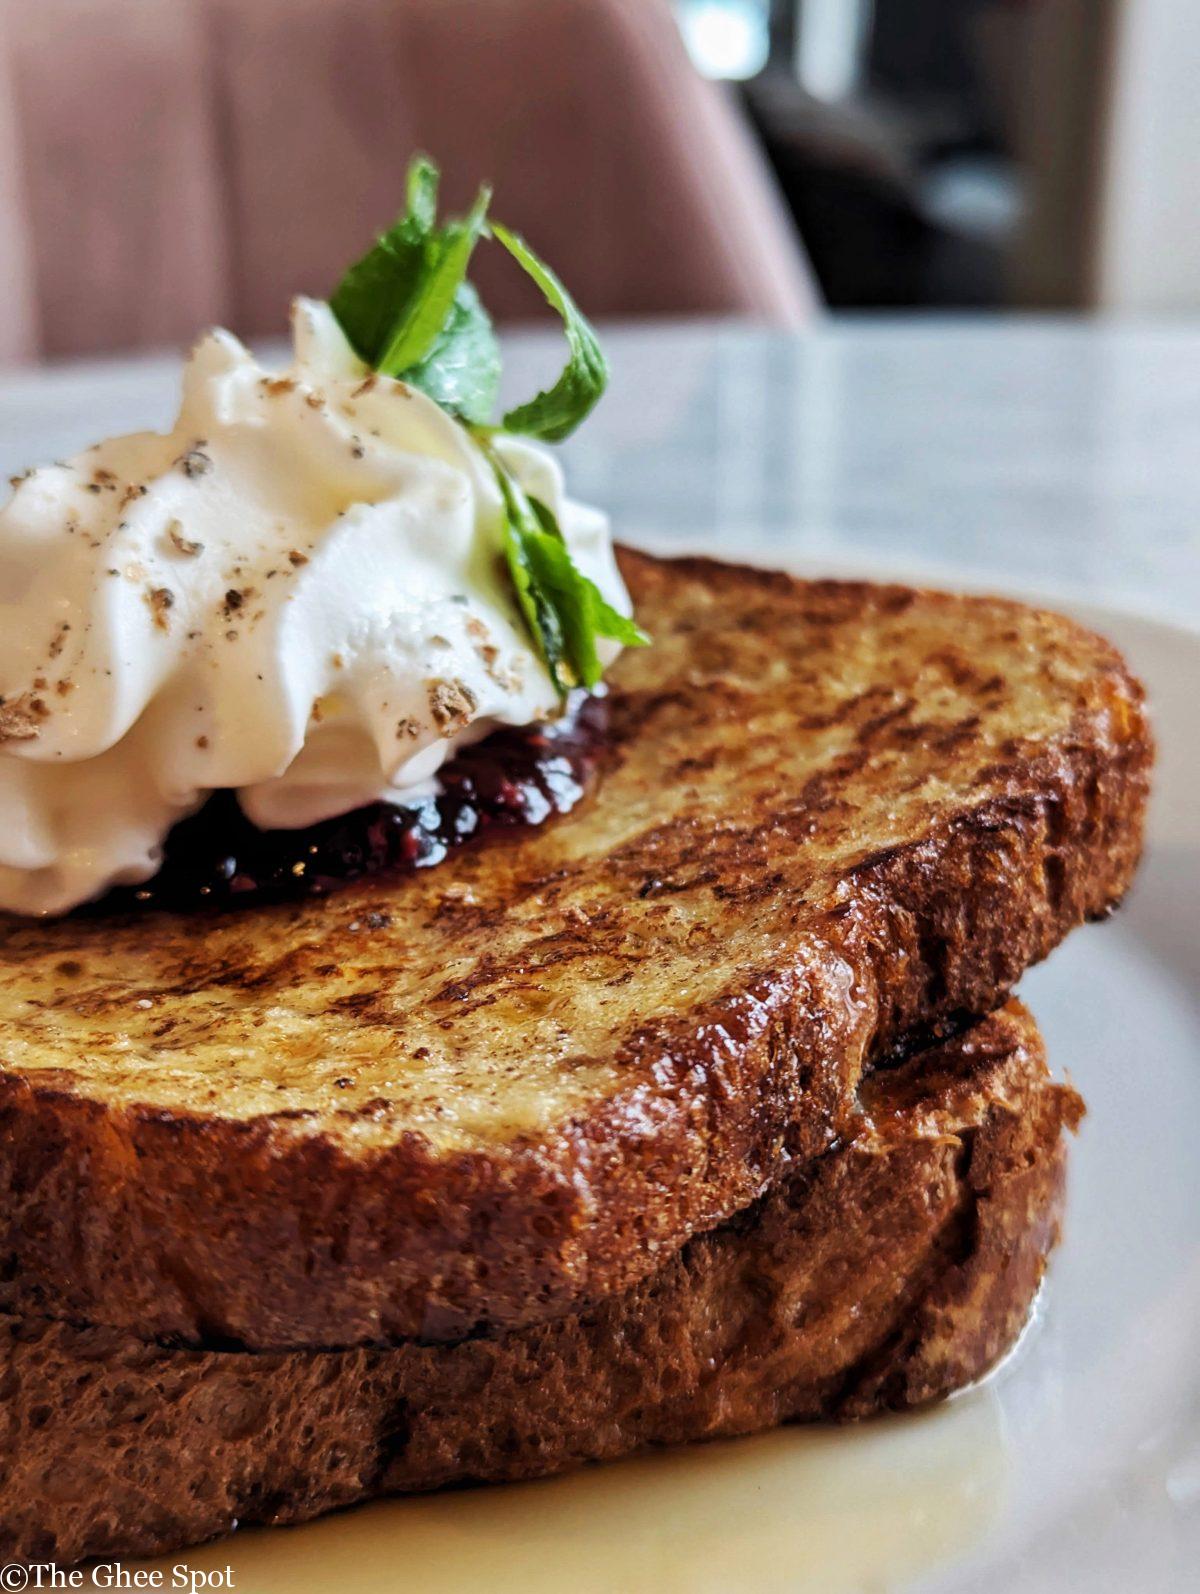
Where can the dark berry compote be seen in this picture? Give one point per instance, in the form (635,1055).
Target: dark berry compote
(217,858)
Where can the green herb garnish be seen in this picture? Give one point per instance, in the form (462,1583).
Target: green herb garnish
(409,311)
(556,413)
(565,612)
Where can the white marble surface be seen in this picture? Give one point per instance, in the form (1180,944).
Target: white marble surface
(1033,455)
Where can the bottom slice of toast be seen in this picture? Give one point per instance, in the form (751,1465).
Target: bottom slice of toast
(890,1271)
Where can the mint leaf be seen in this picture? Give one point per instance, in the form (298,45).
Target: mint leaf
(446,254)
(408,310)
(376,288)
(521,528)
(583,613)
(541,618)
(461,372)
(555,413)
(564,609)
(366,298)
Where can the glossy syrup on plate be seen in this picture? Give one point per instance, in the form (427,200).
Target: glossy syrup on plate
(796,1511)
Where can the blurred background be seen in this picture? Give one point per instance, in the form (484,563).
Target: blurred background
(165,164)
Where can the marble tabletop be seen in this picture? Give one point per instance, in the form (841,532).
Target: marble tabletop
(1027,455)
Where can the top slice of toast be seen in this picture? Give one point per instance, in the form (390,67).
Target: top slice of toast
(834,816)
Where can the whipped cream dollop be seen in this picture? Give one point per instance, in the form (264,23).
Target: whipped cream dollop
(297,594)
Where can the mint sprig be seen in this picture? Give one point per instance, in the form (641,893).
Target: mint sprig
(446,255)
(409,311)
(555,413)
(461,372)
(564,609)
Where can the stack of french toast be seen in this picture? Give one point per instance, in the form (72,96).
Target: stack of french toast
(702,1108)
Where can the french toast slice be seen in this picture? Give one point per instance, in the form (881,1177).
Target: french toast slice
(833,815)
(894,1268)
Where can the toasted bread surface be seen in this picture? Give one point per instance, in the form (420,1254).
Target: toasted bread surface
(893,1269)
(832,814)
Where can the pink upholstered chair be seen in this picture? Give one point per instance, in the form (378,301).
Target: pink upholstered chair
(18,323)
(167,165)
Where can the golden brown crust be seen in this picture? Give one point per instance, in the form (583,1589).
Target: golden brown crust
(890,1271)
(835,814)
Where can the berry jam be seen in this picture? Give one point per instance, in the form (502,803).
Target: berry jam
(217,858)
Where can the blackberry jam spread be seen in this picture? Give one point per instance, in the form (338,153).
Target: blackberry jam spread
(514,777)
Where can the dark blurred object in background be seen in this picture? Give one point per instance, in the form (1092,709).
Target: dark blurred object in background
(891,128)
(935,153)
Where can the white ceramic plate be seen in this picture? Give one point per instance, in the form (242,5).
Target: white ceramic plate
(1077,1466)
